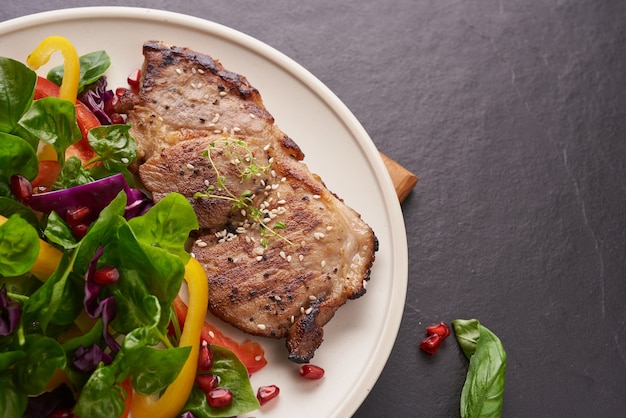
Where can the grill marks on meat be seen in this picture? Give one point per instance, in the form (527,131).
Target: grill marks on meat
(280,283)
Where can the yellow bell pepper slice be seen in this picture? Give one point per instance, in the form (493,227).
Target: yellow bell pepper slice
(71,63)
(176,394)
(48,260)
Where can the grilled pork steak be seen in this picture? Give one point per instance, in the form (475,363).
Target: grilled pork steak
(282,253)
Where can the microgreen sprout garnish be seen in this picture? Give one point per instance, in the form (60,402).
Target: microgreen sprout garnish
(242,157)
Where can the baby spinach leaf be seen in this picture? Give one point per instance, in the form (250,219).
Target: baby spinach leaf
(92,67)
(9,358)
(85,340)
(13,402)
(16,157)
(483,391)
(234,376)
(114,145)
(17,88)
(102,231)
(51,120)
(160,272)
(101,396)
(44,356)
(72,301)
(10,207)
(154,369)
(44,302)
(58,232)
(72,174)
(167,225)
(19,246)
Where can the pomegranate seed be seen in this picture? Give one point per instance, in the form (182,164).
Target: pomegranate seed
(205,357)
(106,275)
(77,216)
(442,329)
(266,393)
(219,396)
(117,119)
(207,382)
(431,343)
(61,413)
(133,80)
(109,105)
(21,187)
(312,372)
(120,91)
(80,230)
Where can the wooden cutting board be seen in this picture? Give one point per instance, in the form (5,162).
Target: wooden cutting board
(403,179)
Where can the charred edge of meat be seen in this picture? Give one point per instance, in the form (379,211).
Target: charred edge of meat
(293,148)
(173,55)
(304,337)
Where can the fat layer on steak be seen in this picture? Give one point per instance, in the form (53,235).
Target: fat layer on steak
(283,263)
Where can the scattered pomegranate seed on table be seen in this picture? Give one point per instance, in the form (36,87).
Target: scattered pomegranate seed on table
(431,343)
(312,372)
(442,329)
(266,393)
(436,334)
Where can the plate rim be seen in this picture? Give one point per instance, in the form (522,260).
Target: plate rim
(399,250)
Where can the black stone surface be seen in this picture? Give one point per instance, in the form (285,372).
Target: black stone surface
(513,115)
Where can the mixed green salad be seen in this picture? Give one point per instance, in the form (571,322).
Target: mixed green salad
(91,321)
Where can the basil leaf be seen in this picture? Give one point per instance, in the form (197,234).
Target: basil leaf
(233,376)
(92,66)
(101,396)
(467,334)
(51,120)
(17,156)
(44,356)
(19,247)
(12,401)
(115,147)
(17,88)
(483,391)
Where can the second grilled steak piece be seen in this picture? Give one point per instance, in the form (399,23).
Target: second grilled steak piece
(282,253)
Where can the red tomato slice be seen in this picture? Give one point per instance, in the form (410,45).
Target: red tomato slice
(84,118)
(48,173)
(249,352)
(45,88)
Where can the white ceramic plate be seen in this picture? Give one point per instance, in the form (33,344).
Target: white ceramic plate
(358,341)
